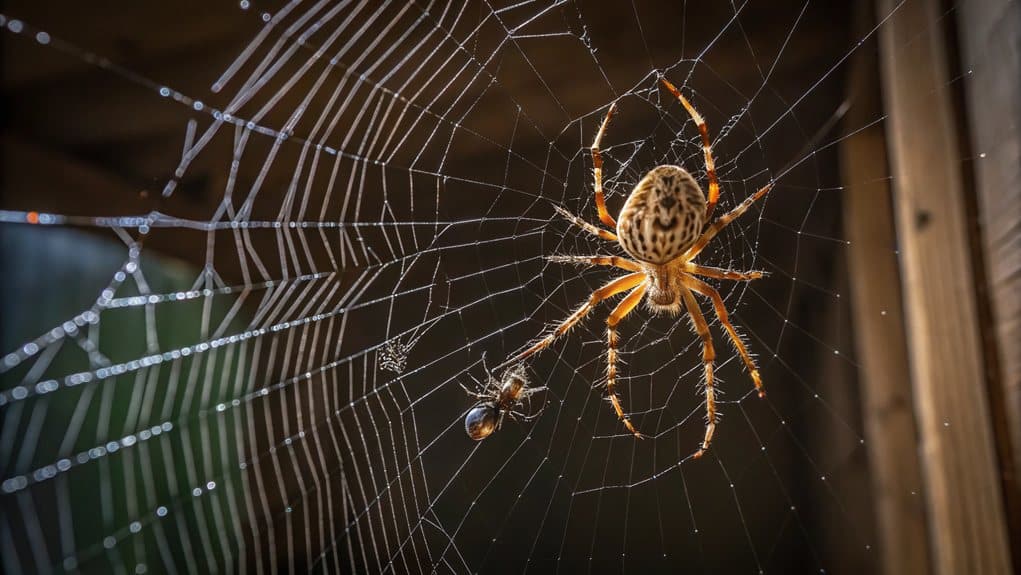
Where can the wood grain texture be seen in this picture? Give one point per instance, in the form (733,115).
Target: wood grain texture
(880,338)
(959,464)
(990,40)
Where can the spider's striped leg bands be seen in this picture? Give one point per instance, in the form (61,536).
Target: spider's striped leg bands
(707,150)
(614,287)
(722,274)
(606,235)
(625,307)
(614,261)
(721,223)
(721,312)
(597,163)
(708,356)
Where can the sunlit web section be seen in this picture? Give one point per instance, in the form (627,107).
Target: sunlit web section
(259,366)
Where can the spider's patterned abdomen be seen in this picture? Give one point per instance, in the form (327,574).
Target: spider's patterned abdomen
(663,216)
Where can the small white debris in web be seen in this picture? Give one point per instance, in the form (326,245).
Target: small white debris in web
(394,356)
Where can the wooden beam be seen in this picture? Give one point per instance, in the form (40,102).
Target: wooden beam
(964,496)
(880,339)
(989,33)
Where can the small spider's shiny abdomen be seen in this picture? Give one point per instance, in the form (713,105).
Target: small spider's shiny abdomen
(481,421)
(663,216)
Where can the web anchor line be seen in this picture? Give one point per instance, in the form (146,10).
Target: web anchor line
(370,207)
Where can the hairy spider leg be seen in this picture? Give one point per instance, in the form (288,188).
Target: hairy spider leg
(527,396)
(474,394)
(517,415)
(606,235)
(485,367)
(722,274)
(597,162)
(614,287)
(531,391)
(625,307)
(723,221)
(613,261)
(707,290)
(708,356)
(479,385)
(707,151)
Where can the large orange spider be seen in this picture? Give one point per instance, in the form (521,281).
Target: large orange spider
(661,228)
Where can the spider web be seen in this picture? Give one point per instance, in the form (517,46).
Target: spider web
(282,393)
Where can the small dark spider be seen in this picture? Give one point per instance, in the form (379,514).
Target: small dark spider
(497,399)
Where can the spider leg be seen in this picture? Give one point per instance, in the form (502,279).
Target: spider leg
(707,151)
(614,261)
(484,366)
(532,391)
(611,289)
(474,394)
(517,415)
(480,386)
(721,312)
(526,396)
(606,235)
(723,221)
(708,355)
(722,274)
(597,162)
(625,307)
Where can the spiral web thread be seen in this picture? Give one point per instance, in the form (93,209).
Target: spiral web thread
(390,173)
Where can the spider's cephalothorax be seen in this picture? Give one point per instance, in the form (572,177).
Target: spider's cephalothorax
(662,227)
(497,399)
(662,218)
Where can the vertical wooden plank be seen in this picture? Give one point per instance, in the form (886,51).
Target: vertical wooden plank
(990,39)
(959,466)
(880,339)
